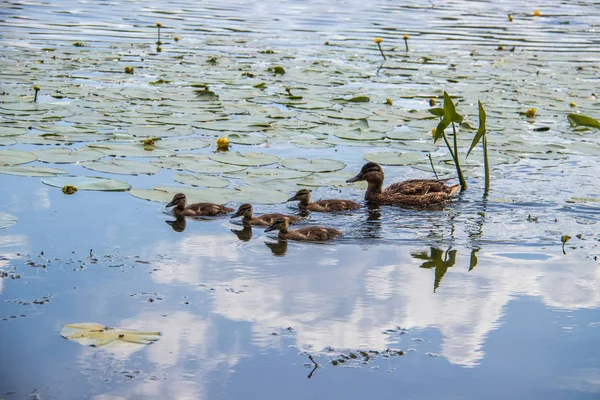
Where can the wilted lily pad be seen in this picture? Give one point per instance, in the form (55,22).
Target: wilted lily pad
(7,220)
(68,156)
(124,167)
(16,157)
(247,159)
(31,170)
(314,165)
(91,334)
(395,158)
(87,183)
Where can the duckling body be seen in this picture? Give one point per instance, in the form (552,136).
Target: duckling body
(306,234)
(196,209)
(303,196)
(414,192)
(246,212)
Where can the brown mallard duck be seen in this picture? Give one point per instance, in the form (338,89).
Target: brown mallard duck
(414,192)
(303,196)
(197,209)
(245,211)
(306,234)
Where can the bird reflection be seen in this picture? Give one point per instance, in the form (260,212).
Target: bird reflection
(243,234)
(278,248)
(440,260)
(179,224)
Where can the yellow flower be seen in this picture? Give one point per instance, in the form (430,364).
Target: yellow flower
(158,24)
(536,13)
(36,88)
(405,37)
(432,101)
(573,104)
(222,143)
(531,112)
(389,101)
(68,189)
(510,18)
(433,131)
(378,40)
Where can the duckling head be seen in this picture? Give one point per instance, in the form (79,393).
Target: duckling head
(302,195)
(245,210)
(179,200)
(280,224)
(370,172)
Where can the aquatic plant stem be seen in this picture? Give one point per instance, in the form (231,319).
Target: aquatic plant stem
(432,167)
(486,166)
(461,177)
(381,51)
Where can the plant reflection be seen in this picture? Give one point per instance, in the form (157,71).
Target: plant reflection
(438,259)
(244,234)
(278,248)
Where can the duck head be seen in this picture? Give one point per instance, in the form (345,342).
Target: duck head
(370,172)
(179,200)
(280,224)
(302,195)
(245,210)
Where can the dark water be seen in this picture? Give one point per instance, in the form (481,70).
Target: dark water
(476,300)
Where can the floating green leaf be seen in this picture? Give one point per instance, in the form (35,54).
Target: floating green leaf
(582,120)
(31,170)
(123,167)
(164,194)
(131,150)
(68,156)
(201,180)
(16,157)
(260,195)
(396,158)
(91,334)
(87,183)
(247,159)
(314,165)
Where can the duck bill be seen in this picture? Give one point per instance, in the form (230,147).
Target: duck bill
(270,228)
(292,198)
(171,204)
(355,179)
(237,214)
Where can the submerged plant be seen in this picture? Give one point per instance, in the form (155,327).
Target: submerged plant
(378,41)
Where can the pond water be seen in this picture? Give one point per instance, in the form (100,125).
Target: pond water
(480,298)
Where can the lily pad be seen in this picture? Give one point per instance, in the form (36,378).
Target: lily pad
(68,156)
(16,157)
(395,158)
(314,165)
(7,141)
(7,220)
(164,194)
(201,180)
(31,170)
(247,159)
(91,334)
(124,167)
(87,183)
(131,150)
(246,139)
(260,195)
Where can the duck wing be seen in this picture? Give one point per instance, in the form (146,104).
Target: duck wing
(420,200)
(313,233)
(207,209)
(418,187)
(334,205)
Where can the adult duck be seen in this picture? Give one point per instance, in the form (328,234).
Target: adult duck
(197,209)
(414,192)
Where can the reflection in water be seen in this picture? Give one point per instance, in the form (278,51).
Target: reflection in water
(244,234)
(179,224)
(438,259)
(278,248)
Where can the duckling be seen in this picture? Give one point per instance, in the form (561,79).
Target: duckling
(414,192)
(245,211)
(309,233)
(197,209)
(303,196)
